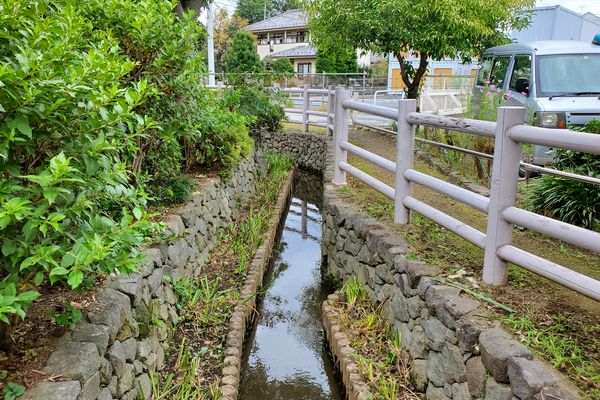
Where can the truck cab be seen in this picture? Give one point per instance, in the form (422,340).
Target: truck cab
(558,83)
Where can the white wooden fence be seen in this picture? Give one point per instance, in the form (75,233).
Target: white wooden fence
(509,132)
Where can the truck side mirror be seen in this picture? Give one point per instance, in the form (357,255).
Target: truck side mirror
(522,86)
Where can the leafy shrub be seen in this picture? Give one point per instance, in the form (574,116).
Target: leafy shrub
(67,316)
(262,107)
(336,59)
(69,128)
(177,189)
(92,94)
(242,57)
(281,65)
(569,200)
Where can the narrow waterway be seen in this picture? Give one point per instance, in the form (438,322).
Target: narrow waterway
(285,355)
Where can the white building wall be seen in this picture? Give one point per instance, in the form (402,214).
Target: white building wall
(590,27)
(558,23)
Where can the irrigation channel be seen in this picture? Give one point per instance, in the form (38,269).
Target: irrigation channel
(285,355)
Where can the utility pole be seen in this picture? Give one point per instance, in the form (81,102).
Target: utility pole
(211,44)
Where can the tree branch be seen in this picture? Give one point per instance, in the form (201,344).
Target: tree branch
(403,70)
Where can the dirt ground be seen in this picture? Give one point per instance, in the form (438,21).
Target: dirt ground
(33,340)
(555,312)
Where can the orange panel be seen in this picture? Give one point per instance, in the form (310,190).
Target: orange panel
(397,82)
(442,71)
(442,82)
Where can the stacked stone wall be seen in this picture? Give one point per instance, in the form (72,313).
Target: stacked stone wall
(308,149)
(459,350)
(123,339)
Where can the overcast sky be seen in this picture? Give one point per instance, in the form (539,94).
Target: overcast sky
(580,6)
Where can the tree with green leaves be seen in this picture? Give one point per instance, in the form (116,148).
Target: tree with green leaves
(429,29)
(279,66)
(336,59)
(242,57)
(226,27)
(284,5)
(254,10)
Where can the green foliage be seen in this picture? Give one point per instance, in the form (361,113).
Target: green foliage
(557,341)
(279,164)
(254,10)
(13,303)
(67,316)
(69,126)
(336,59)
(261,106)
(242,57)
(176,190)
(354,291)
(93,94)
(10,390)
(569,200)
(430,29)
(226,27)
(279,66)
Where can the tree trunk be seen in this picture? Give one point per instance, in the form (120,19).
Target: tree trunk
(411,77)
(178,10)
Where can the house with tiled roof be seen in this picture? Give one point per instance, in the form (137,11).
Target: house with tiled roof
(286,35)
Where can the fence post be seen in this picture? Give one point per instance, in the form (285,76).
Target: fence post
(305,108)
(330,109)
(340,134)
(505,173)
(405,149)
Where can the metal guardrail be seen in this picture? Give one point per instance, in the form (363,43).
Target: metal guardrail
(509,133)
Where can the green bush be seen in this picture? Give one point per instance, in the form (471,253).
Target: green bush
(569,200)
(68,206)
(92,94)
(281,66)
(176,189)
(336,59)
(242,57)
(261,106)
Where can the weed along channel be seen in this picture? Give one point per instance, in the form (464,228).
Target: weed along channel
(285,355)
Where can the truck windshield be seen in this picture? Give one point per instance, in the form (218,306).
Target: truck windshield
(562,75)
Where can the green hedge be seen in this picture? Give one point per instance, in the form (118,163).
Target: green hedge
(99,99)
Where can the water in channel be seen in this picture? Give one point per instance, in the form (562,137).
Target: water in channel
(285,356)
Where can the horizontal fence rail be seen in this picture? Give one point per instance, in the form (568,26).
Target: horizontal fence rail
(509,132)
(478,154)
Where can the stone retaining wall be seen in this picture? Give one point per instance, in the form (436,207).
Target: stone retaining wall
(111,354)
(308,149)
(458,351)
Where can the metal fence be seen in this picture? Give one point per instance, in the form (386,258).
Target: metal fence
(509,132)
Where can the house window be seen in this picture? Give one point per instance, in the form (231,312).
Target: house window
(296,37)
(304,68)
(262,39)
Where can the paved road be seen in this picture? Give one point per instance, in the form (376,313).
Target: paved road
(358,117)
